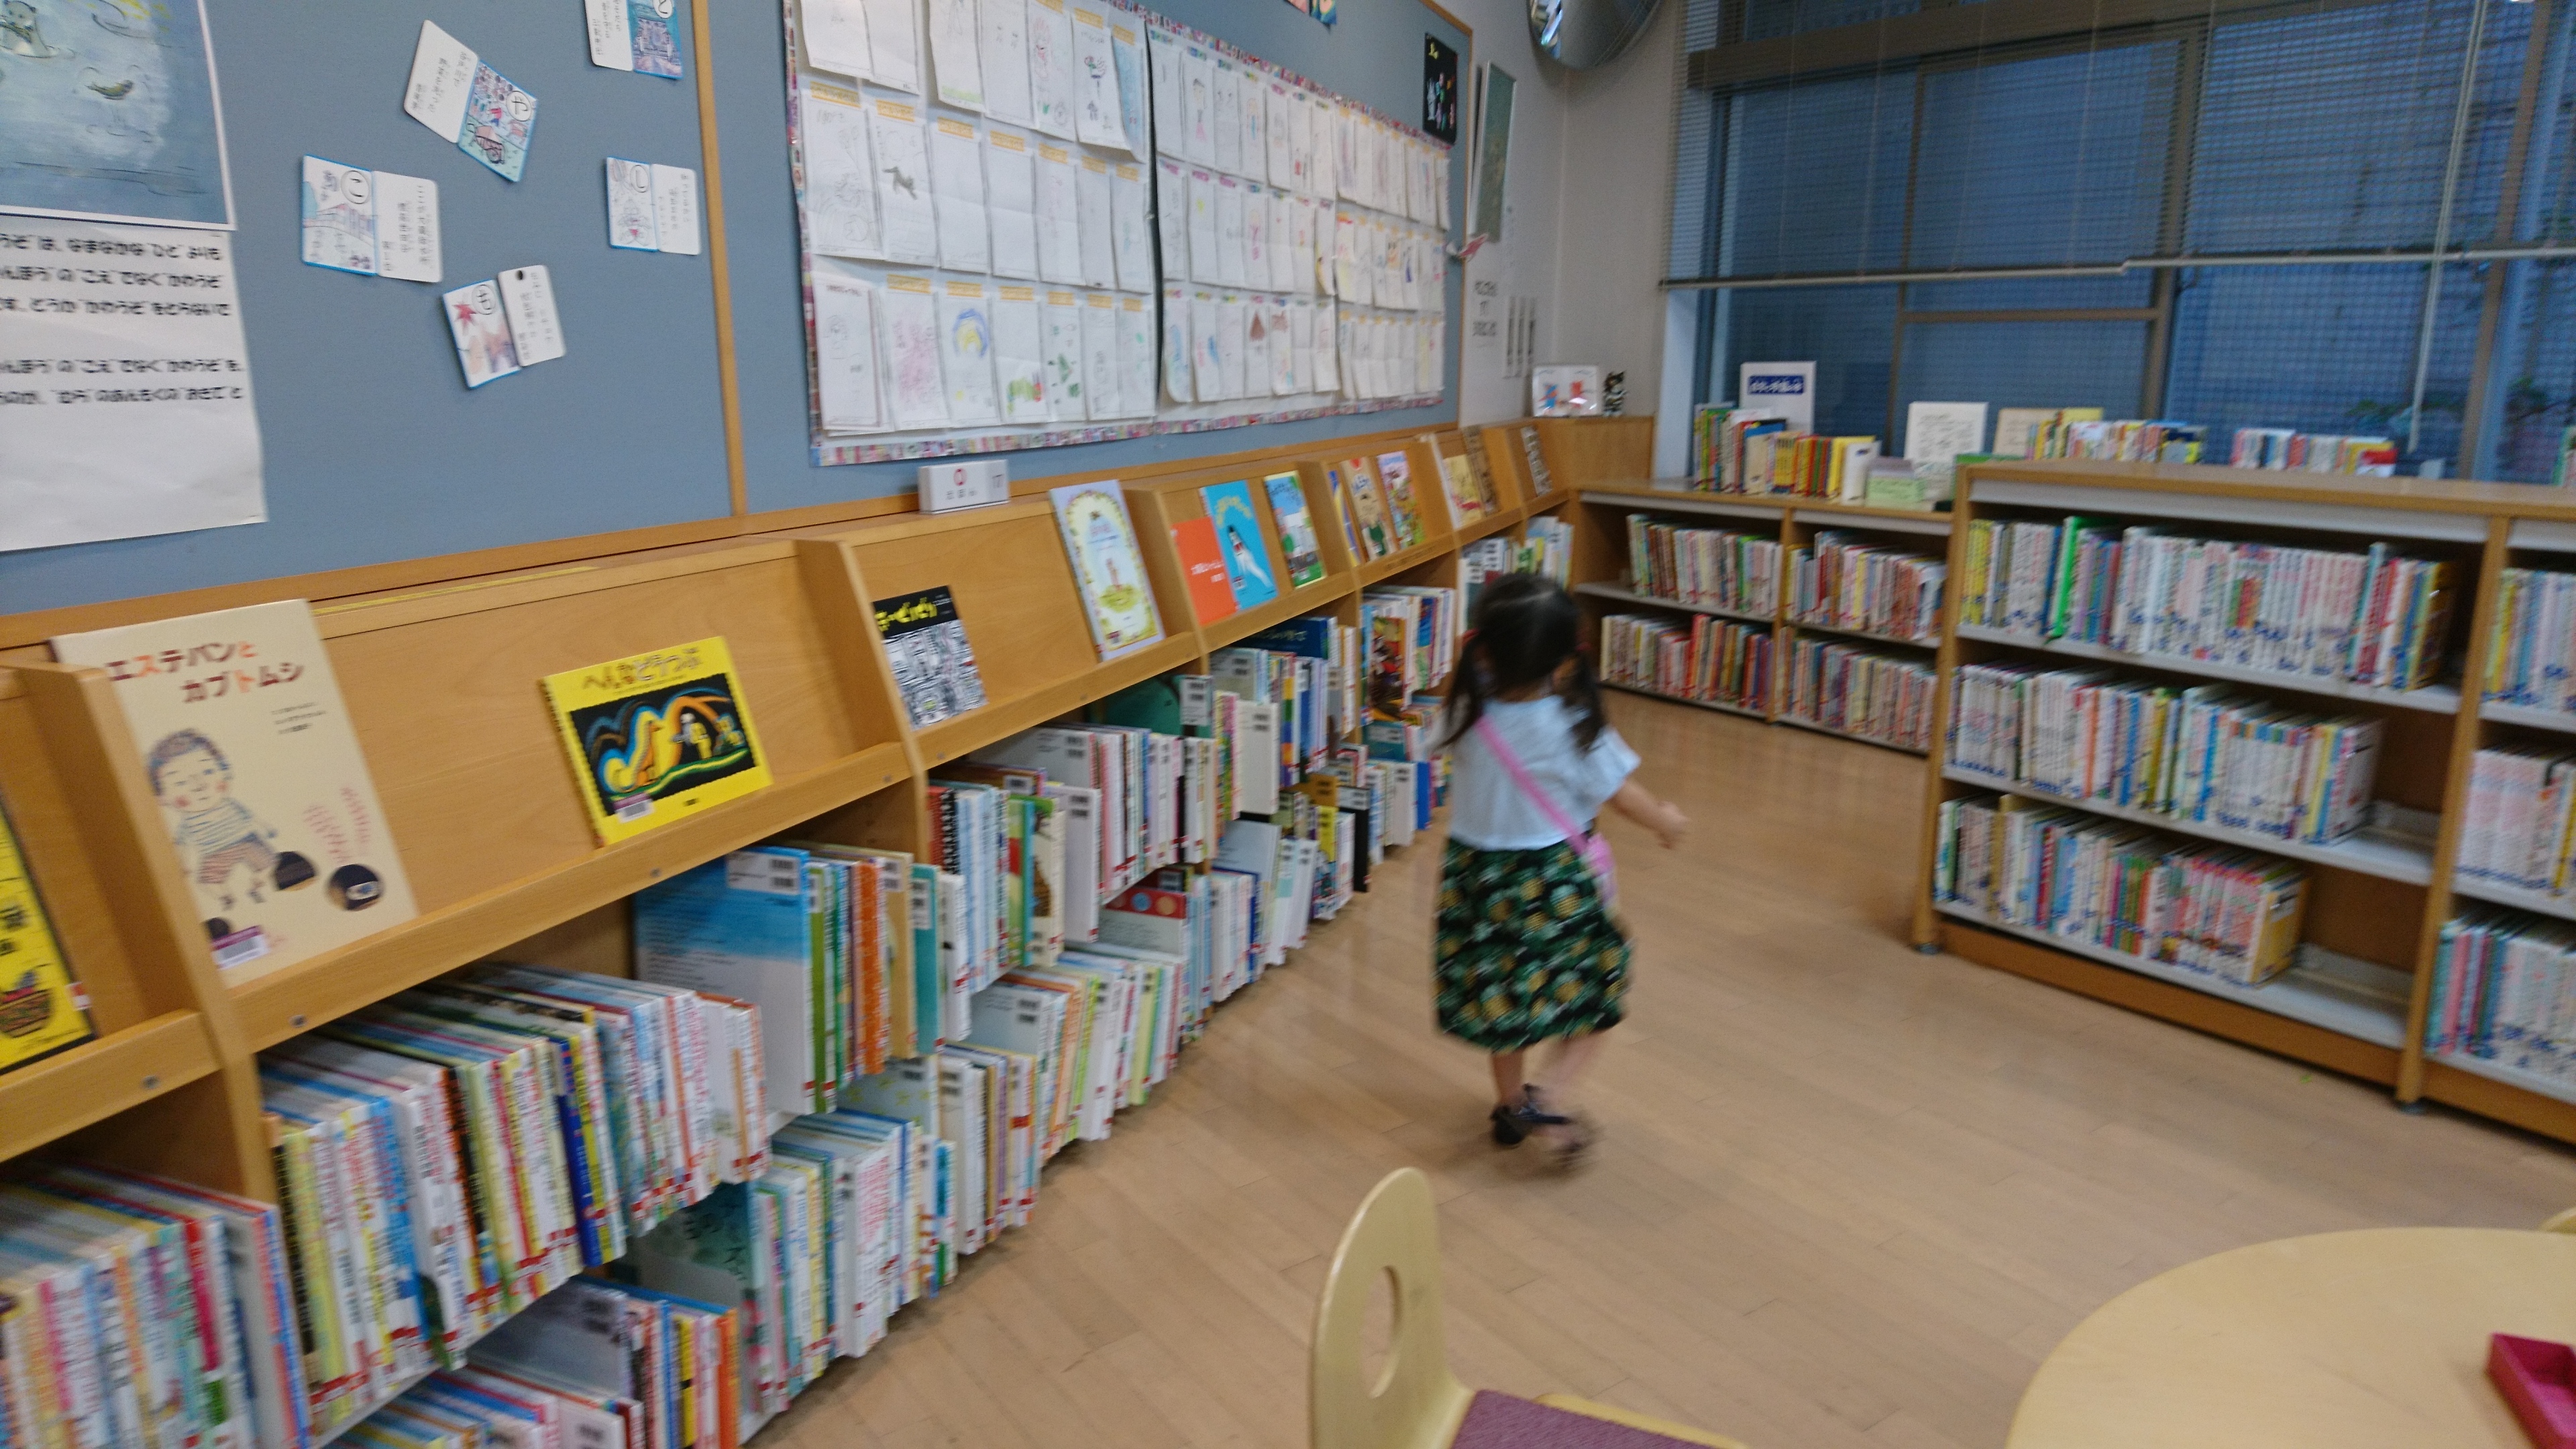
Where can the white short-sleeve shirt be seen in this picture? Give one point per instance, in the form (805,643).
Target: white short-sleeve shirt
(1487,808)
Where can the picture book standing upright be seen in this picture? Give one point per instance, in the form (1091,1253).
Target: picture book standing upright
(1100,540)
(1296,529)
(42,1010)
(1241,543)
(249,751)
(657,736)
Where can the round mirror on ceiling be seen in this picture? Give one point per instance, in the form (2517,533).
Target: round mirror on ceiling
(1581,34)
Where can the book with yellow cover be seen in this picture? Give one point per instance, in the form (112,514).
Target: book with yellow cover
(42,1009)
(657,737)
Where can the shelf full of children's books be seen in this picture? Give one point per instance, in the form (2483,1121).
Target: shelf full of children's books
(2344,995)
(2383,853)
(2430,698)
(1624,596)
(1719,705)
(283,1003)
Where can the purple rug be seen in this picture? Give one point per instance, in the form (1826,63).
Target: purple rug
(1499,1421)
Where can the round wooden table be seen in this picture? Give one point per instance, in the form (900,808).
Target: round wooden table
(2350,1340)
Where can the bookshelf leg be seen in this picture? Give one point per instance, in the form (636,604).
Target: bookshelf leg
(2414,1108)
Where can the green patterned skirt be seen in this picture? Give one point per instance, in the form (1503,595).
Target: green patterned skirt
(1526,950)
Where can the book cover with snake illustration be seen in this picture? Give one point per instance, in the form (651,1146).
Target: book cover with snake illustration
(656,737)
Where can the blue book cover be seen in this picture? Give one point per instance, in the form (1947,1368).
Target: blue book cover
(741,926)
(1241,543)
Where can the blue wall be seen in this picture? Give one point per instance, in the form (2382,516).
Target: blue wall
(375,450)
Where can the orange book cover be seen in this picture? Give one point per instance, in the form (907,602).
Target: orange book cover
(1203,565)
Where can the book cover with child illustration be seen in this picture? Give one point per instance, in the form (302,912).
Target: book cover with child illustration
(248,749)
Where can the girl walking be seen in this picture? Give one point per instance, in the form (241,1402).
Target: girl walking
(1528,949)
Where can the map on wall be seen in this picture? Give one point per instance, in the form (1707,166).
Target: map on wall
(107,113)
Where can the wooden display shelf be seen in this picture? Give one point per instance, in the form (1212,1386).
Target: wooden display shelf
(48,1099)
(2477,523)
(2384,854)
(289,1001)
(2431,699)
(441,680)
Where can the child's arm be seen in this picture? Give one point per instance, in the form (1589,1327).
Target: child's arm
(1658,815)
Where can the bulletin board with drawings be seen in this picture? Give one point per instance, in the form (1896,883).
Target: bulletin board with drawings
(1036,223)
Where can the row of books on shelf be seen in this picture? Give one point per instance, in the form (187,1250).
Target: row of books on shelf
(2504,991)
(1712,660)
(2531,648)
(1844,582)
(1545,548)
(523,1201)
(2234,915)
(2516,830)
(2205,755)
(1860,692)
(2070,433)
(1711,568)
(1753,450)
(2374,617)
(2289,449)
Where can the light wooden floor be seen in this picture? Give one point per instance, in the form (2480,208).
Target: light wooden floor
(1849,1195)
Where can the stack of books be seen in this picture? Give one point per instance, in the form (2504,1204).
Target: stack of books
(140,1311)
(2515,831)
(2231,914)
(1412,635)
(2376,617)
(2504,991)
(1749,450)
(1715,568)
(1869,588)
(1713,660)
(1860,692)
(2531,650)
(450,1157)
(1546,548)
(2288,448)
(2206,755)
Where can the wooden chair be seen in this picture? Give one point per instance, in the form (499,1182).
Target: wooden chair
(1415,1402)
(2564,1222)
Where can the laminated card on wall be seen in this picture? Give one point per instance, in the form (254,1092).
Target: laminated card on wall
(249,751)
(657,736)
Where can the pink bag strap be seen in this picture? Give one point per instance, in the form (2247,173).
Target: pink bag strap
(1594,850)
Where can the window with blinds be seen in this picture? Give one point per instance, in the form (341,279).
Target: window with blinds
(2237,213)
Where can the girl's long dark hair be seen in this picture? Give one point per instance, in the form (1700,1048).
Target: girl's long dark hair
(1525,627)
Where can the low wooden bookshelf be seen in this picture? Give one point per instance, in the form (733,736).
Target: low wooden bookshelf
(1604,584)
(441,682)
(2358,998)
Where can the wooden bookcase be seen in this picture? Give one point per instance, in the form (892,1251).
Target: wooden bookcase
(441,682)
(1602,577)
(2358,1002)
